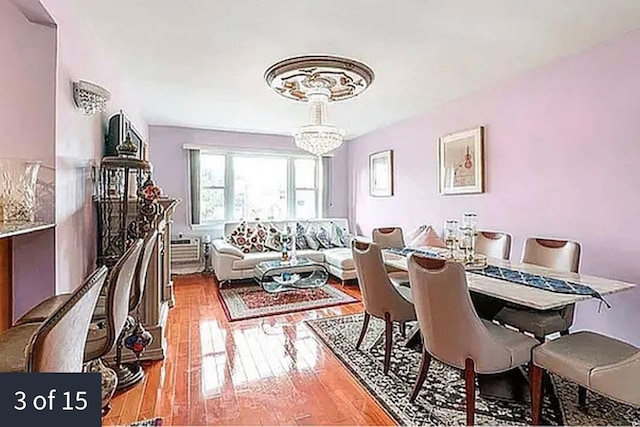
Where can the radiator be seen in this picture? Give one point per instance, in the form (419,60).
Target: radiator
(185,249)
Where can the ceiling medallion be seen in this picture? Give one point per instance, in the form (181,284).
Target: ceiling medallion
(318,80)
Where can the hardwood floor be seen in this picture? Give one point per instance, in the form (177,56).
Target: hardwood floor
(267,371)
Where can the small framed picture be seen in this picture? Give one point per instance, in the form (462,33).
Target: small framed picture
(461,162)
(381,174)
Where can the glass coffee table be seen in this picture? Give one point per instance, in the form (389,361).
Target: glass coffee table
(280,276)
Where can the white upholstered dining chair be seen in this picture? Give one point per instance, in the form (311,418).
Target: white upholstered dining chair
(493,244)
(452,331)
(388,237)
(560,255)
(382,298)
(595,362)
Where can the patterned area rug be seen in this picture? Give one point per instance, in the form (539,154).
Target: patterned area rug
(251,301)
(153,422)
(441,401)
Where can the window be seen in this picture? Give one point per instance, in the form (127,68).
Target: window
(234,186)
(212,188)
(305,195)
(260,187)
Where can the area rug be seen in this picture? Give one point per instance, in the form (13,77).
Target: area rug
(441,400)
(251,301)
(152,422)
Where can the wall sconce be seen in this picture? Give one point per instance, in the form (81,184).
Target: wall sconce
(90,97)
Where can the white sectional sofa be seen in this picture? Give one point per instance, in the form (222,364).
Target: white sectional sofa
(230,263)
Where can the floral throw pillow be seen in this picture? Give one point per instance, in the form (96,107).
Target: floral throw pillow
(258,237)
(239,237)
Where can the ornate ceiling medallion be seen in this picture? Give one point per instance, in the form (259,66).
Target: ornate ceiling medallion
(318,80)
(294,77)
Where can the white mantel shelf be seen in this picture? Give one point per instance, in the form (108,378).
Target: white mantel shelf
(11,230)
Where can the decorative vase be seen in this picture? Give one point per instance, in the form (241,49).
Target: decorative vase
(139,339)
(18,195)
(284,252)
(109,379)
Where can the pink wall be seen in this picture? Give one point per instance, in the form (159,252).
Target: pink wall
(169,161)
(562,153)
(80,141)
(27,124)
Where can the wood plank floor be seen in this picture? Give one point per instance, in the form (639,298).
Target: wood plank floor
(267,371)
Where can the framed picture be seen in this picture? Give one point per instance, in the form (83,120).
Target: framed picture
(381,174)
(461,162)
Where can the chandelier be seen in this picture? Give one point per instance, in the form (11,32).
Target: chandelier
(319,80)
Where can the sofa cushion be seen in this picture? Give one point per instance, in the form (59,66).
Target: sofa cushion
(258,237)
(252,259)
(273,242)
(312,239)
(301,231)
(239,237)
(324,238)
(339,257)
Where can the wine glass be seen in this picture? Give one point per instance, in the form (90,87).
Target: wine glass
(451,235)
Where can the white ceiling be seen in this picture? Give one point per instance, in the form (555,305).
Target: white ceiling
(200,63)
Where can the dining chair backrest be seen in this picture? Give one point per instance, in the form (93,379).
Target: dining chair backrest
(118,296)
(451,329)
(137,289)
(388,237)
(493,244)
(58,344)
(562,255)
(379,296)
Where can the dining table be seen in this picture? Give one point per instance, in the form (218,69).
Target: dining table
(498,292)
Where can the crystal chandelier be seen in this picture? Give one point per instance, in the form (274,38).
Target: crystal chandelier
(319,80)
(317,137)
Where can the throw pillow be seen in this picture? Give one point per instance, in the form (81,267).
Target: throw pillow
(239,237)
(348,239)
(311,238)
(274,239)
(301,231)
(258,237)
(323,238)
(337,235)
(428,237)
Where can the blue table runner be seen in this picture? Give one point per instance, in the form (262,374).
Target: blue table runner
(537,281)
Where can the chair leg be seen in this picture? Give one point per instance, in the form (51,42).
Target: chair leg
(470,387)
(403,329)
(388,330)
(582,396)
(365,324)
(422,375)
(536,375)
